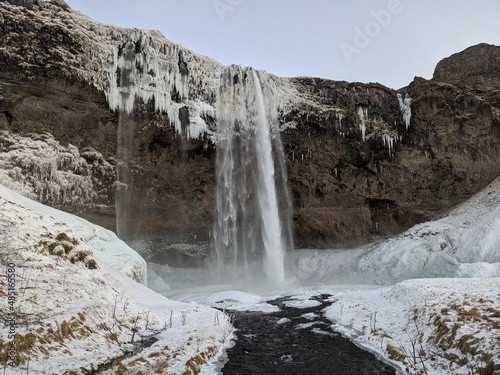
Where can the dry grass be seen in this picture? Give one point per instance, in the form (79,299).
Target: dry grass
(4,355)
(139,361)
(24,346)
(193,365)
(466,349)
(121,370)
(395,353)
(63,246)
(161,366)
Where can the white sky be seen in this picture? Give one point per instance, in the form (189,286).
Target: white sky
(401,38)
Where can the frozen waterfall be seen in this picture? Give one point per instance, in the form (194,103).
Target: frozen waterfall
(251,232)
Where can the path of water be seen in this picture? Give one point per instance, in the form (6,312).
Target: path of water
(296,341)
(249,234)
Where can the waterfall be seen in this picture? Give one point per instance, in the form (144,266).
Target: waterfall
(124,180)
(251,232)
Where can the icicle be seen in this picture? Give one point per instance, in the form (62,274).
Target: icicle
(405,107)
(363,114)
(340,117)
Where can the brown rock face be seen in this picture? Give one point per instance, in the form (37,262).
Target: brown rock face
(359,166)
(349,191)
(477,66)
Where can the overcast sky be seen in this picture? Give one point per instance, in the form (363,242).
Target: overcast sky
(385,41)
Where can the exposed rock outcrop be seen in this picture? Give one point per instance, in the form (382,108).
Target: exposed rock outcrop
(477,66)
(363,160)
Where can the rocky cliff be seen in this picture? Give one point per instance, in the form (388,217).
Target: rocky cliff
(128,120)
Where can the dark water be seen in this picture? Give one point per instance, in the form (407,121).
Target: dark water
(265,347)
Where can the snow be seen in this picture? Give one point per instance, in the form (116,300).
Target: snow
(75,315)
(239,301)
(106,247)
(446,320)
(302,304)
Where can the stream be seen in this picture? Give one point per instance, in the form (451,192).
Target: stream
(296,341)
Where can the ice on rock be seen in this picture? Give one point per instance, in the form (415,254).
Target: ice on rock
(146,67)
(41,168)
(405,107)
(363,114)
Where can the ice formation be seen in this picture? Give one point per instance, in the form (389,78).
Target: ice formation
(41,168)
(405,107)
(363,114)
(340,117)
(149,68)
(390,141)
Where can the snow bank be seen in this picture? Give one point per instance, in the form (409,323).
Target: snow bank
(105,246)
(81,316)
(466,243)
(432,326)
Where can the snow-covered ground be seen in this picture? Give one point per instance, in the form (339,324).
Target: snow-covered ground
(76,311)
(465,243)
(429,299)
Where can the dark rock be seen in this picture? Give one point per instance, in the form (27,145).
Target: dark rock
(477,66)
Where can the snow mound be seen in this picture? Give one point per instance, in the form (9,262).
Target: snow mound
(76,313)
(465,243)
(239,301)
(234,296)
(33,220)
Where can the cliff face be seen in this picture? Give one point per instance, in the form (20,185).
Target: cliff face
(477,66)
(138,113)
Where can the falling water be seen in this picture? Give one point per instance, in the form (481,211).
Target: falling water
(249,232)
(124,183)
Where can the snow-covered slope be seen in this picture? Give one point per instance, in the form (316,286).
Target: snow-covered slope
(75,312)
(35,219)
(429,326)
(465,243)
